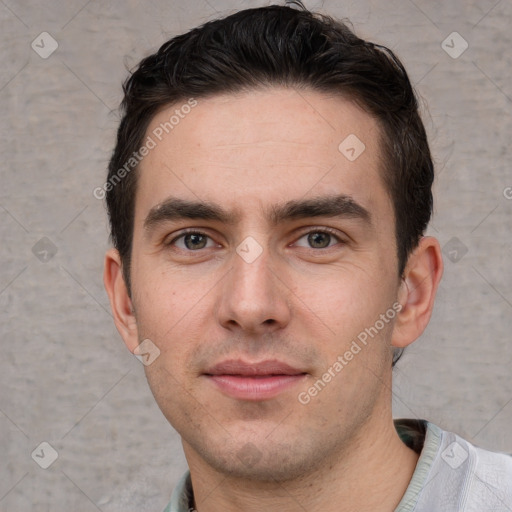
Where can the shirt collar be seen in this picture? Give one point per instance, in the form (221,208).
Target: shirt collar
(419,435)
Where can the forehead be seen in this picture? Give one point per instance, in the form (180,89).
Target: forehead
(261,147)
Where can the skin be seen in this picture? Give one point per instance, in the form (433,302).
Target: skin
(296,303)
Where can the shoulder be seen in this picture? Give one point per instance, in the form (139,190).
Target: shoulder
(478,478)
(452,473)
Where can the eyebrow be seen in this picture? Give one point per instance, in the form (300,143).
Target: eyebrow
(174,208)
(341,205)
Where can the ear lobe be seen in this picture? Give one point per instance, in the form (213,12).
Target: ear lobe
(417,291)
(120,302)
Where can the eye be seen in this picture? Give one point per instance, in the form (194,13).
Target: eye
(192,241)
(319,239)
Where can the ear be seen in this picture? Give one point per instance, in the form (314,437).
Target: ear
(417,291)
(120,301)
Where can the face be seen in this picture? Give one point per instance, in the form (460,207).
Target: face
(253,297)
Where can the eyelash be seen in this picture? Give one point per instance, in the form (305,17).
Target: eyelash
(327,230)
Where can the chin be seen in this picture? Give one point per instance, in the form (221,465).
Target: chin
(265,462)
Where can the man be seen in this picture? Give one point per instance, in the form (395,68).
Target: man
(268,196)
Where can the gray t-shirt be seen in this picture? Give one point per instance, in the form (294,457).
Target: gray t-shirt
(451,475)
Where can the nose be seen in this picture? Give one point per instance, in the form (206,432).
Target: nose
(253,298)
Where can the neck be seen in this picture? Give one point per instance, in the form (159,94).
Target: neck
(371,474)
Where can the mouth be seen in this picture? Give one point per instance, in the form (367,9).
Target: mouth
(254,381)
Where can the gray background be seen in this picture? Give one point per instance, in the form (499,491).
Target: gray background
(65,375)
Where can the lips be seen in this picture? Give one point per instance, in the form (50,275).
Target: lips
(254,381)
(262,369)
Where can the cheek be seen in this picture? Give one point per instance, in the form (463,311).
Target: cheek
(159,287)
(171,310)
(350,298)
